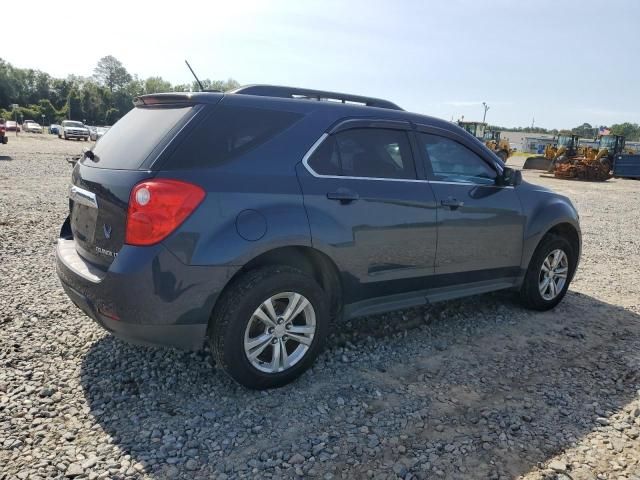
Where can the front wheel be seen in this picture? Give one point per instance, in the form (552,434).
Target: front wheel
(550,271)
(269,327)
(503,155)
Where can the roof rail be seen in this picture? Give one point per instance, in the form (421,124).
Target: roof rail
(309,94)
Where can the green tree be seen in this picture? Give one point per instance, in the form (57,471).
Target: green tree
(156,85)
(74,105)
(585,131)
(47,109)
(631,131)
(110,72)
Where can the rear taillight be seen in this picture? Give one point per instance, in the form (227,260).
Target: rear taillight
(158,207)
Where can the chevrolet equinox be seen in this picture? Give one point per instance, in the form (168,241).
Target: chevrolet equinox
(253,219)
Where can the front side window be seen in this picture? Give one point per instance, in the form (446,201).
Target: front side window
(365,152)
(453,162)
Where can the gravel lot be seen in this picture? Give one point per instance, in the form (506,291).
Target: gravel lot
(477,388)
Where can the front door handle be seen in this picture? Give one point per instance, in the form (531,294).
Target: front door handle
(452,203)
(343,195)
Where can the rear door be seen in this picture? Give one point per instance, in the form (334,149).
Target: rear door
(480,224)
(99,194)
(368,210)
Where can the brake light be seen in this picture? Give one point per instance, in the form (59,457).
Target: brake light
(158,207)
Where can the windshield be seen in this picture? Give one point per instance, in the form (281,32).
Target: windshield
(565,140)
(475,129)
(72,124)
(608,142)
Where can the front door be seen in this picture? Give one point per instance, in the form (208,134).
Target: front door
(480,224)
(368,211)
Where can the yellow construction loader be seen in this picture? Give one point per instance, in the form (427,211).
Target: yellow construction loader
(590,163)
(491,138)
(566,146)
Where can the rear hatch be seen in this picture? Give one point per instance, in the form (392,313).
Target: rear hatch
(99,194)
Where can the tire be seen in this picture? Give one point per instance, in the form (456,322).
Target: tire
(59,136)
(530,293)
(503,155)
(234,314)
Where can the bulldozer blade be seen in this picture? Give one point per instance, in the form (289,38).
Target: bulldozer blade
(537,163)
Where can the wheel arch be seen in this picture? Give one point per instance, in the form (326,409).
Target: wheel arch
(307,259)
(565,228)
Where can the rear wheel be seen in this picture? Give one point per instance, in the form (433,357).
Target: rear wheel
(549,274)
(269,327)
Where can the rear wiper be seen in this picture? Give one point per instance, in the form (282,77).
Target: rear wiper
(91,156)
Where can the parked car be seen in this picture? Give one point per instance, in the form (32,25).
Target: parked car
(12,126)
(3,132)
(253,219)
(31,126)
(72,129)
(98,132)
(54,129)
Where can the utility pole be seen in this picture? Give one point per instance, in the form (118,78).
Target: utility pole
(486,107)
(533,121)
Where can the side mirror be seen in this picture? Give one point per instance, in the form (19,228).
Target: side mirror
(510,177)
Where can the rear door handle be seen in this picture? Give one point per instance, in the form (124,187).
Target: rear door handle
(452,203)
(343,195)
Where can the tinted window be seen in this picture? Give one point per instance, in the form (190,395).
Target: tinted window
(130,141)
(326,159)
(229,132)
(453,162)
(365,152)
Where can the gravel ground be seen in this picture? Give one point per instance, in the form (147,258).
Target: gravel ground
(476,388)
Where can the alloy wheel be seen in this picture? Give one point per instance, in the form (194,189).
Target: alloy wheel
(553,274)
(280,332)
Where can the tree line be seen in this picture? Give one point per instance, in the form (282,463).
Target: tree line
(107,95)
(100,99)
(630,130)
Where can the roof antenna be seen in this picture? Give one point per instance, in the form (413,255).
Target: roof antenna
(194,76)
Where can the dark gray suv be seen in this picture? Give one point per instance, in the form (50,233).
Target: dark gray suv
(253,219)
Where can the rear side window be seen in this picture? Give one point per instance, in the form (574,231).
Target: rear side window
(365,152)
(229,132)
(130,141)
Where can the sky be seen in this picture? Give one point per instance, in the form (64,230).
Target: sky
(556,63)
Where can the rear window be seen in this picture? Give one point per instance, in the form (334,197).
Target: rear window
(127,144)
(227,133)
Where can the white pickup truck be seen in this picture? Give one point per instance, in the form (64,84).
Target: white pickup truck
(72,129)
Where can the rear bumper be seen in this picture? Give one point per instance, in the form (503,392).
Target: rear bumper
(147,296)
(185,337)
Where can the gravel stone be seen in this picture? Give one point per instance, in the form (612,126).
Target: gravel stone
(472,388)
(74,470)
(296,459)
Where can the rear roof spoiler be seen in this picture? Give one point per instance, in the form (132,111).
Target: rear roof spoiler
(309,94)
(177,98)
